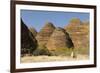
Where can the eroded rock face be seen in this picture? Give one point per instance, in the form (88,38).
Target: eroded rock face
(59,39)
(79,32)
(28,41)
(45,33)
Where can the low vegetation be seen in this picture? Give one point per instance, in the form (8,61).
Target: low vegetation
(41,50)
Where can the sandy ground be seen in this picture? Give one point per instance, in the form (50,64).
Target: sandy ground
(30,59)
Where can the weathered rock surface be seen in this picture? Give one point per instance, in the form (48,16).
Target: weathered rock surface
(79,32)
(59,39)
(74,22)
(45,33)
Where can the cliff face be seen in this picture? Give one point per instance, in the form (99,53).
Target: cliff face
(28,41)
(79,32)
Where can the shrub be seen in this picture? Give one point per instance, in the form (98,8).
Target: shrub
(26,51)
(41,50)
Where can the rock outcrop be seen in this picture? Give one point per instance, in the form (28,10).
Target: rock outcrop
(45,33)
(59,39)
(28,41)
(79,32)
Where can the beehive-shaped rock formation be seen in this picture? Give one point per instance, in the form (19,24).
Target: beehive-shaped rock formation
(79,32)
(59,39)
(45,33)
(75,21)
(28,41)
